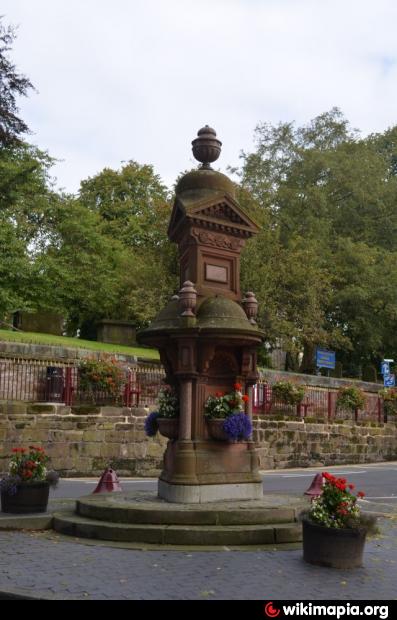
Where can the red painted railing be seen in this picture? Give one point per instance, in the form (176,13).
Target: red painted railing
(48,381)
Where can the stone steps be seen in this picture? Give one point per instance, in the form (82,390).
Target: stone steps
(163,534)
(151,510)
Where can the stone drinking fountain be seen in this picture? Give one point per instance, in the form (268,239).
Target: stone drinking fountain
(207,336)
(209,491)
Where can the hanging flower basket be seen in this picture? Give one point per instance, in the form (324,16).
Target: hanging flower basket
(215,429)
(168,427)
(235,427)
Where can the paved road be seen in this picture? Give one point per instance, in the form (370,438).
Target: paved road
(51,566)
(378,481)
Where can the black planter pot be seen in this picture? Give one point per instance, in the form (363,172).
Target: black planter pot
(333,547)
(30,497)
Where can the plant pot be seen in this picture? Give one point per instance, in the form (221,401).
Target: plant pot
(169,427)
(215,429)
(333,547)
(30,497)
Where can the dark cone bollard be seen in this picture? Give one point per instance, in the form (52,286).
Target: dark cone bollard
(333,547)
(108,482)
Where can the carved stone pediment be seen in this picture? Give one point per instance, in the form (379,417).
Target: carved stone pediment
(219,213)
(223,242)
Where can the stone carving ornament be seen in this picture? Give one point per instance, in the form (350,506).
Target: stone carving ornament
(219,241)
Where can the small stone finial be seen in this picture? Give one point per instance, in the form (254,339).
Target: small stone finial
(250,305)
(206,147)
(187,298)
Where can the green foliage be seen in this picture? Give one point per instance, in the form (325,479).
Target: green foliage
(168,403)
(132,203)
(77,343)
(288,393)
(12,85)
(223,405)
(369,373)
(389,396)
(324,268)
(350,398)
(101,375)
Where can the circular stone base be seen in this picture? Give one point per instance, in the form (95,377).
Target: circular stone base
(142,517)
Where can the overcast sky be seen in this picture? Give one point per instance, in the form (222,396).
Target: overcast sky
(136,79)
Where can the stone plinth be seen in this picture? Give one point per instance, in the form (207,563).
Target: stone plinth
(141,517)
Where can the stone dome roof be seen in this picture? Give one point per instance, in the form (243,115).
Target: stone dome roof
(202,180)
(216,312)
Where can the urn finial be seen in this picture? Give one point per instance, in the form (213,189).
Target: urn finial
(250,305)
(187,298)
(206,147)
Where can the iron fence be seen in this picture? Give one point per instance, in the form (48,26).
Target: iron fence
(50,381)
(318,403)
(42,381)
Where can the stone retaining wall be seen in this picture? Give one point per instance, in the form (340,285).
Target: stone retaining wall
(83,441)
(284,444)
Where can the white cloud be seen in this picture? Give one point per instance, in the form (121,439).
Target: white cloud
(134,79)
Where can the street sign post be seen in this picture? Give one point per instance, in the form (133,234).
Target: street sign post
(385,368)
(389,380)
(325,359)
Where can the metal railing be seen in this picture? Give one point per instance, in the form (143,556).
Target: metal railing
(48,381)
(57,382)
(318,403)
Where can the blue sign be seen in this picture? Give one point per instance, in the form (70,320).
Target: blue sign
(385,368)
(325,359)
(389,380)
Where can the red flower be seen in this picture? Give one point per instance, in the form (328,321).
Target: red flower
(351,487)
(361,494)
(218,394)
(246,398)
(237,386)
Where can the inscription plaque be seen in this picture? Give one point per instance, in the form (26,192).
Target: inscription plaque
(216,273)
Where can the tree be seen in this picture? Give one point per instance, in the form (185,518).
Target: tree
(132,202)
(328,199)
(12,85)
(15,271)
(133,206)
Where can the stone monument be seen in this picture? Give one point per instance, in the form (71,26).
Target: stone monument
(210,491)
(207,335)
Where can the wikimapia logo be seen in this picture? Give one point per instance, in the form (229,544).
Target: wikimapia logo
(308,609)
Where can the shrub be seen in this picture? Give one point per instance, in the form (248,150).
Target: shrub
(101,375)
(389,396)
(350,398)
(288,393)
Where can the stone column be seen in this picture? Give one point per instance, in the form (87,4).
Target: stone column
(185,415)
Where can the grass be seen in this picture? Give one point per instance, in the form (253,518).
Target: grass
(76,343)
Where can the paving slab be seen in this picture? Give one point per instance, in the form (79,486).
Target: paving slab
(47,565)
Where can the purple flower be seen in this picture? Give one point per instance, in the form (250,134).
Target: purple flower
(151,425)
(237,426)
